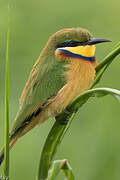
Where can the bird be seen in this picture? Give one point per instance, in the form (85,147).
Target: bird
(64,70)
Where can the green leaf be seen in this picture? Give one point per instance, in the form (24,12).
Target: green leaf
(101,68)
(97,92)
(57,166)
(6,166)
(58,131)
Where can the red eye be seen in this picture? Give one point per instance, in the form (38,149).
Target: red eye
(71,42)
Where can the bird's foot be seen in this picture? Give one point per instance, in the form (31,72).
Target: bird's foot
(66,120)
(66,111)
(62,122)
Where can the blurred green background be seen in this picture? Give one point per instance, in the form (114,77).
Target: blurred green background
(92,144)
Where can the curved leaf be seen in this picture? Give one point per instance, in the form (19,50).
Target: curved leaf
(58,131)
(59,165)
(97,92)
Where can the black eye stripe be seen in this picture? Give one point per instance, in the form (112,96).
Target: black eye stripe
(71,43)
(68,44)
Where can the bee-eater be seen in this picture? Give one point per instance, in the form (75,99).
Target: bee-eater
(64,69)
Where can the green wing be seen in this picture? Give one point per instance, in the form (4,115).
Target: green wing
(45,80)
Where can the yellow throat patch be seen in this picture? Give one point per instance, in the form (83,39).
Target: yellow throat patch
(87,51)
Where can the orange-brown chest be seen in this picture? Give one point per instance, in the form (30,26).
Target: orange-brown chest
(79,76)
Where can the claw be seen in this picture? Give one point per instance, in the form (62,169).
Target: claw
(66,111)
(62,122)
(66,120)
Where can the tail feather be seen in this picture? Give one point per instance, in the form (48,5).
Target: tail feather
(12,142)
(23,129)
(1,156)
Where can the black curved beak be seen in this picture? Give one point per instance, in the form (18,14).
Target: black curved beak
(92,41)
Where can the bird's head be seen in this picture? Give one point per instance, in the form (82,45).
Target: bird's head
(76,43)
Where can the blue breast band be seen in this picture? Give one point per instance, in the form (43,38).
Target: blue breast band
(77,55)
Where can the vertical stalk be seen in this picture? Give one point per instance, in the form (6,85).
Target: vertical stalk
(6,166)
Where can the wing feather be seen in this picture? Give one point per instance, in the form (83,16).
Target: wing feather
(46,79)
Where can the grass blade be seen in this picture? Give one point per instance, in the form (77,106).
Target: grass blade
(6,166)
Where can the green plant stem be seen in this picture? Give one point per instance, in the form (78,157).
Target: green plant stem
(57,132)
(109,58)
(50,146)
(101,68)
(6,166)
